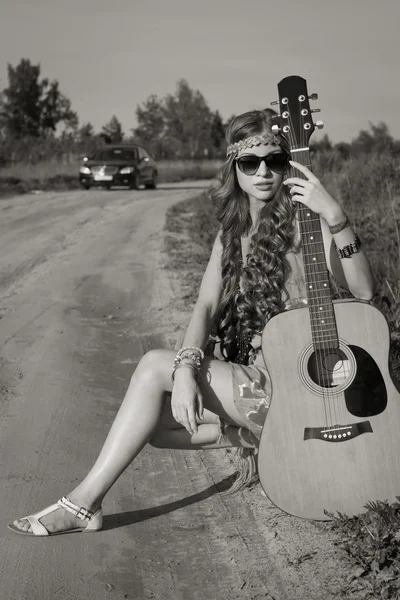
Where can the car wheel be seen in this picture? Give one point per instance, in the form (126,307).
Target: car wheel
(86,186)
(134,185)
(153,183)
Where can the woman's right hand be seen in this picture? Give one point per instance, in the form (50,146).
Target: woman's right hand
(186,399)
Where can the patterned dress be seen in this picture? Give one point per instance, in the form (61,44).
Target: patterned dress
(252,383)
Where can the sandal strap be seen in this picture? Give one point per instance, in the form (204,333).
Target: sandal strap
(78,511)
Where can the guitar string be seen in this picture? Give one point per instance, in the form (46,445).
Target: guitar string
(305,230)
(330,398)
(317,301)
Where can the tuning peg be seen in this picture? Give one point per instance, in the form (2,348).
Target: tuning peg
(313,97)
(274,102)
(319,124)
(315,110)
(275,129)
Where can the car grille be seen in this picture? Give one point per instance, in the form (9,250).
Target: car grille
(104,170)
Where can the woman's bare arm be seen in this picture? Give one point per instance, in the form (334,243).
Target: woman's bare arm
(354,273)
(206,306)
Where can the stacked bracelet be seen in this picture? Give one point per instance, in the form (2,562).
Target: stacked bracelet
(189,353)
(350,249)
(195,370)
(340,226)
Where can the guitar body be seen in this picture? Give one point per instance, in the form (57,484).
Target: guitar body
(331,439)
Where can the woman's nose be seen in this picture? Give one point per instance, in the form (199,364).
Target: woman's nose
(263,170)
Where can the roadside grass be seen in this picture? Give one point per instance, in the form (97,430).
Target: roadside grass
(24,178)
(371,540)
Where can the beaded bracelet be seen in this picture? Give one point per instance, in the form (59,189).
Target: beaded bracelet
(350,249)
(194,348)
(340,226)
(194,368)
(192,352)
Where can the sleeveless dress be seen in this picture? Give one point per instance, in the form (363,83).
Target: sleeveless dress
(252,383)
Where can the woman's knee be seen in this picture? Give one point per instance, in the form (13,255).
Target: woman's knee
(152,365)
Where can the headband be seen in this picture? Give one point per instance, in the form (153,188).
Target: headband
(255,140)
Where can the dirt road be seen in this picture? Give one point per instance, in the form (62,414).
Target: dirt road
(83,294)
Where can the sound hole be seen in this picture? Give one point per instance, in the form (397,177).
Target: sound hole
(365,394)
(329,368)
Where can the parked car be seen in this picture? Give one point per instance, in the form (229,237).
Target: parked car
(119,165)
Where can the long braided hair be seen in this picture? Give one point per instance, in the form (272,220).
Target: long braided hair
(262,279)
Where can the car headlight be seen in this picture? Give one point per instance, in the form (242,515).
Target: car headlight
(127,170)
(85,170)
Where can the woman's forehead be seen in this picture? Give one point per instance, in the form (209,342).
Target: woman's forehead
(261,150)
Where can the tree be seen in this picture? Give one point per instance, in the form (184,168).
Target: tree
(217,134)
(188,120)
(86,132)
(323,145)
(112,132)
(55,109)
(378,140)
(180,125)
(31,107)
(152,127)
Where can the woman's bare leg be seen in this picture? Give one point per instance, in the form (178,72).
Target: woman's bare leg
(135,424)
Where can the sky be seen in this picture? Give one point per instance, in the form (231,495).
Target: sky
(110,57)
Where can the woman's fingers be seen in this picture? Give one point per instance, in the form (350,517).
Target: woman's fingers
(303,169)
(192,419)
(186,416)
(297,189)
(200,405)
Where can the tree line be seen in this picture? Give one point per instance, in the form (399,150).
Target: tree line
(37,122)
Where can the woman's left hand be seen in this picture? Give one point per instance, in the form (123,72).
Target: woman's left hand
(312,193)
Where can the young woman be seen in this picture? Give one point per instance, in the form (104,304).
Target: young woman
(255,271)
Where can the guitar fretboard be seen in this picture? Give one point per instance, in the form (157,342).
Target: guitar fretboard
(319,295)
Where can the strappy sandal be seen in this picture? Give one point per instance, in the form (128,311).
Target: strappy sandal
(94,520)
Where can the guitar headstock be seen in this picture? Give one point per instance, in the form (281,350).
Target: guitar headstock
(295,121)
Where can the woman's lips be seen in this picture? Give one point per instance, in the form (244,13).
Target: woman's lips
(263,186)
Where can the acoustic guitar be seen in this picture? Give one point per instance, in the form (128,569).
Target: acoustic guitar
(331,439)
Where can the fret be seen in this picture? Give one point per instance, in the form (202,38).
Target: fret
(310,220)
(326,324)
(307,235)
(312,252)
(324,292)
(316,292)
(320,307)
(321,336)
(320,280)
(317,230)
(328,321)
(327,345)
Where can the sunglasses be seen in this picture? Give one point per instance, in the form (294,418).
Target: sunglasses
(250,164)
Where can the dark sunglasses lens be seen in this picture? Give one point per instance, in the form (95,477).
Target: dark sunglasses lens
(277,162)
(249,164)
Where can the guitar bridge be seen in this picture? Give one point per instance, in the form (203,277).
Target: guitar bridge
(337,433)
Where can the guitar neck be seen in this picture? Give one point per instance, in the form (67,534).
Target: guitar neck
(319,294)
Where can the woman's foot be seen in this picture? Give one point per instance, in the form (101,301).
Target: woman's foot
(60,517)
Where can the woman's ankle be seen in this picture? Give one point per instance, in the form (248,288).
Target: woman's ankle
(85,499)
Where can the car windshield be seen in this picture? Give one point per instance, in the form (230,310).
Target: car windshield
(115,154)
